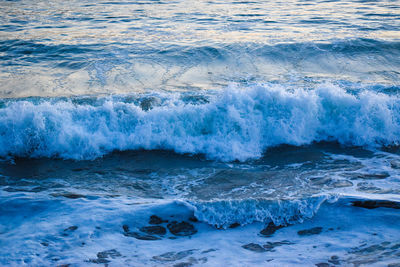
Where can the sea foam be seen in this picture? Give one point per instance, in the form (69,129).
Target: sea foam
(234,124)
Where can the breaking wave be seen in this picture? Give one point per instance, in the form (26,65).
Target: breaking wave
(232,124)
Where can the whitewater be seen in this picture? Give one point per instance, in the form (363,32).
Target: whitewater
(234,124)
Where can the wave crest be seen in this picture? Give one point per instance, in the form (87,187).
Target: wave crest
(236,123)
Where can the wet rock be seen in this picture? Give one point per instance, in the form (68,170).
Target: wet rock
(126,228)
(137,235)
(173,256)
(64,265)
(154,230)
(182,228)
(334,260)
(322,264)
(254,247)
(99,261)
(270,229)
(68,230)
(312,231)
(369,250)
(71,228)
(154,219)
(373,204)
(371,176)
(397,264)
(234,225)
(112,253)
(183,264)
(141,236)
(340,184)
(271,245)
(45,243)
(208,251)
(321,180)
(193,219)
(367,262)
(395,164)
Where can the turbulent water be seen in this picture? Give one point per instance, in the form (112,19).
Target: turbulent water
(209,133)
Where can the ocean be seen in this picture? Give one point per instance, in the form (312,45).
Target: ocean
(200,133)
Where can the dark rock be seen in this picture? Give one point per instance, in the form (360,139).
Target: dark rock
(99,261)
(71,228)
(312,231)
(64,265)
(154,230)
(181,229)
(44,243)
(334,260)
(270,229)
(141,236)
(208,250)
(112,253)
(397,264)
(137,235)
(373,204)
(254,247)
(183,264)
(395,164)
(173,256)
(126,228)
(369,250)
(234,225)
(154,219)
(271,245)
(322,264)
(340,184)
(193,219)
(370,176)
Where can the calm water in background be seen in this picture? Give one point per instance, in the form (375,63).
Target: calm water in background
(234,113)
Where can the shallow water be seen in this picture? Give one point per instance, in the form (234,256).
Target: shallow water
(258,134)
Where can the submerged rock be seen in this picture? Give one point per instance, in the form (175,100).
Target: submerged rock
(234,225)
(99,261)
(334,260)
(193,219)
(137,235)
(271,245)
(254,247)
(182,228)
(154,219)
(270,229)
(71,228)
(173,256)
(373,204)
(154,230)
(112,253)
(312,231)
(372,176)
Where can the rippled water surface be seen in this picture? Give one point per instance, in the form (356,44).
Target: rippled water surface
(102,47)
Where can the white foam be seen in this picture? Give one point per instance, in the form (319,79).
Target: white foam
(237,124)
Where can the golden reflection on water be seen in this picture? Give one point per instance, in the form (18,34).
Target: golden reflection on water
(158,25)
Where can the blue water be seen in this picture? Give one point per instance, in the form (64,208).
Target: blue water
(227,115)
